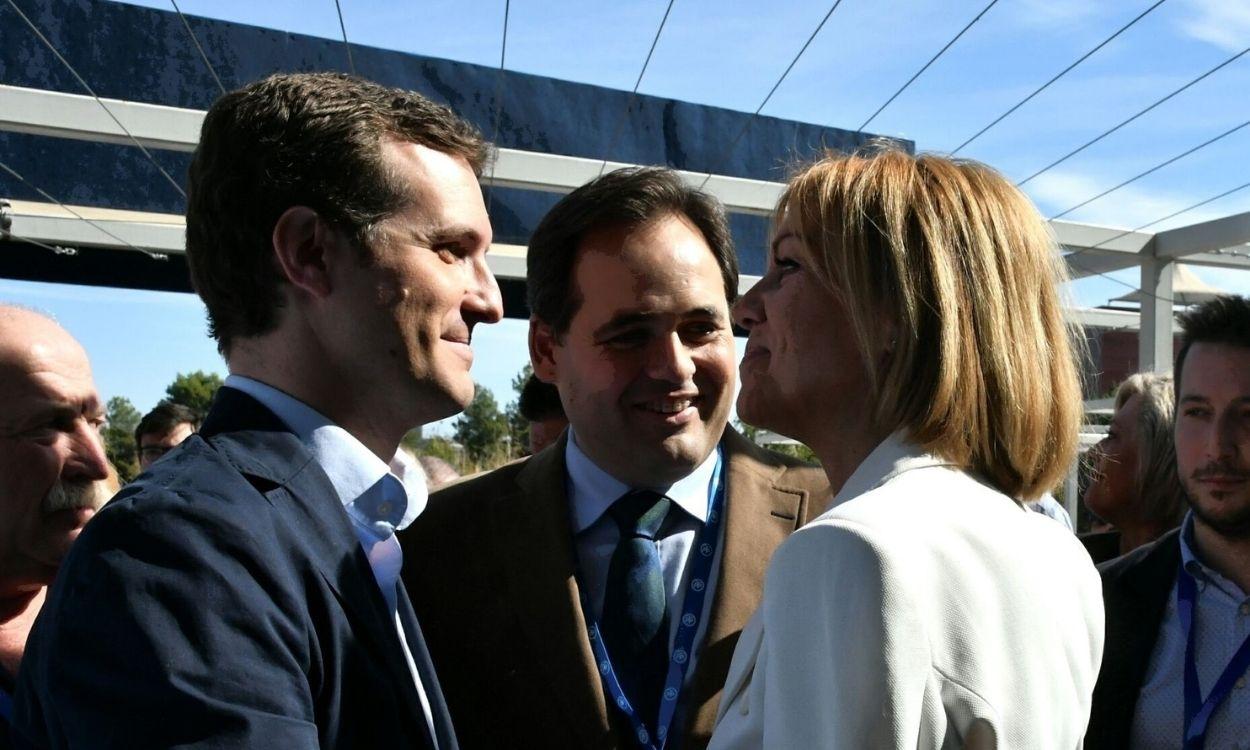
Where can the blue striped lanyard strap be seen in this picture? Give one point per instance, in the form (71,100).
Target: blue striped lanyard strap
(1198,711)
(692,612)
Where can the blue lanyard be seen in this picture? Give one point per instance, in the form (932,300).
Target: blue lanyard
(692,611)
(1197,711)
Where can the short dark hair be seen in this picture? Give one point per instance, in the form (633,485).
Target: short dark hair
(627,197)
(304,139)
(539,401)
(1223,320)
(166,416)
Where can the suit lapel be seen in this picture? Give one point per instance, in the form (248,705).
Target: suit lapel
(760,513)
(425,669)
(1135,612)
(262,448)
(536,551)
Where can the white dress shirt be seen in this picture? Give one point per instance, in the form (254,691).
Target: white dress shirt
(379,499)
(592,491)
(912,613)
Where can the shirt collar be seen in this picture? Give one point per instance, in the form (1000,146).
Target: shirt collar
(1198,569)
(359,477)
(593,490)
(891,457)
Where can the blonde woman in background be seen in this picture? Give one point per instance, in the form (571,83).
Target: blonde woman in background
(909,330)
(1134,486)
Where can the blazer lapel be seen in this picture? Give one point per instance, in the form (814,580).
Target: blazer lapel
(425,668)
(1135,607)
(536,551)
(760,513)
(262,448)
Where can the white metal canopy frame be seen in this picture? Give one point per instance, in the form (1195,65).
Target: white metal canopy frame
(1089,250)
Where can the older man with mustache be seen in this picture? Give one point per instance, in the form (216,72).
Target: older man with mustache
(53,472)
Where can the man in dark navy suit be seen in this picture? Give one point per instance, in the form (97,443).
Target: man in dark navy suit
(242,593)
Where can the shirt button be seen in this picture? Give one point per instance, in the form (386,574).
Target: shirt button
(1244,609)
(385,508)
(1241,683)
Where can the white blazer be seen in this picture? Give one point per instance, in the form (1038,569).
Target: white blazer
(923,610)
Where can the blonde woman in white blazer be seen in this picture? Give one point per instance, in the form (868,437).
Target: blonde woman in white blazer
(909,330)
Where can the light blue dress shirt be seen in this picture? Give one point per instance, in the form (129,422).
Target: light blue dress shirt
(378,498)
(1222,615)
(592,491)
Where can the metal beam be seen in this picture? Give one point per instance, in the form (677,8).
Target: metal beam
(1222,260)
(1094,262)
(1206,237)
(50,224)
(1154,342)
(1094,317)
(162,233)
(1092,249)
(61,115)
(1087,239)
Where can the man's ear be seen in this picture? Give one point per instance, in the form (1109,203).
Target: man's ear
(542,350)
(306,248)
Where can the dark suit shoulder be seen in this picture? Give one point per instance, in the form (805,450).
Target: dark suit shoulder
(478,486)
(194,497)
(458,507)
(1154,561)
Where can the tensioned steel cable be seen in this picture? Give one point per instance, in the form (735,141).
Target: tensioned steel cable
(1153,169)
(1108,132)
(496,114)
(56,249)
(351,64)
(773,90)
(1109,277)
(1056,77)
(186,25)
(1070,256)
(925,67)
(1172,215)
(620,122)
(150,253)
(95,96)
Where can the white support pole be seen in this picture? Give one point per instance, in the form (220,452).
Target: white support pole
(1154,342)
(1070,489)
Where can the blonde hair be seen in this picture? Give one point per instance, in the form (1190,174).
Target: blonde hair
(980,367)
(1158,490)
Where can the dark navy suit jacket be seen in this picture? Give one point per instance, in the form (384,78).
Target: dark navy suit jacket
(1135,591)
(223,601)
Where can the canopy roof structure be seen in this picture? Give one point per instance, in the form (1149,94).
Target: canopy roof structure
(1187,289)
(138,236)
(88,193)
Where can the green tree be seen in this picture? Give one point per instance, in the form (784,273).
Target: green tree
(518,425)
(794,450)
(194,390)
(119,436)
(482,428)
(441,447)
(413,440)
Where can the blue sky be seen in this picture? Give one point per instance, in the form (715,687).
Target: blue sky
(730,52)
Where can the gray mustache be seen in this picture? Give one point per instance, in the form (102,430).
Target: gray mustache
(70,495)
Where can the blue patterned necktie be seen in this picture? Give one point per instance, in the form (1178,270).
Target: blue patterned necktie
(635,606)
